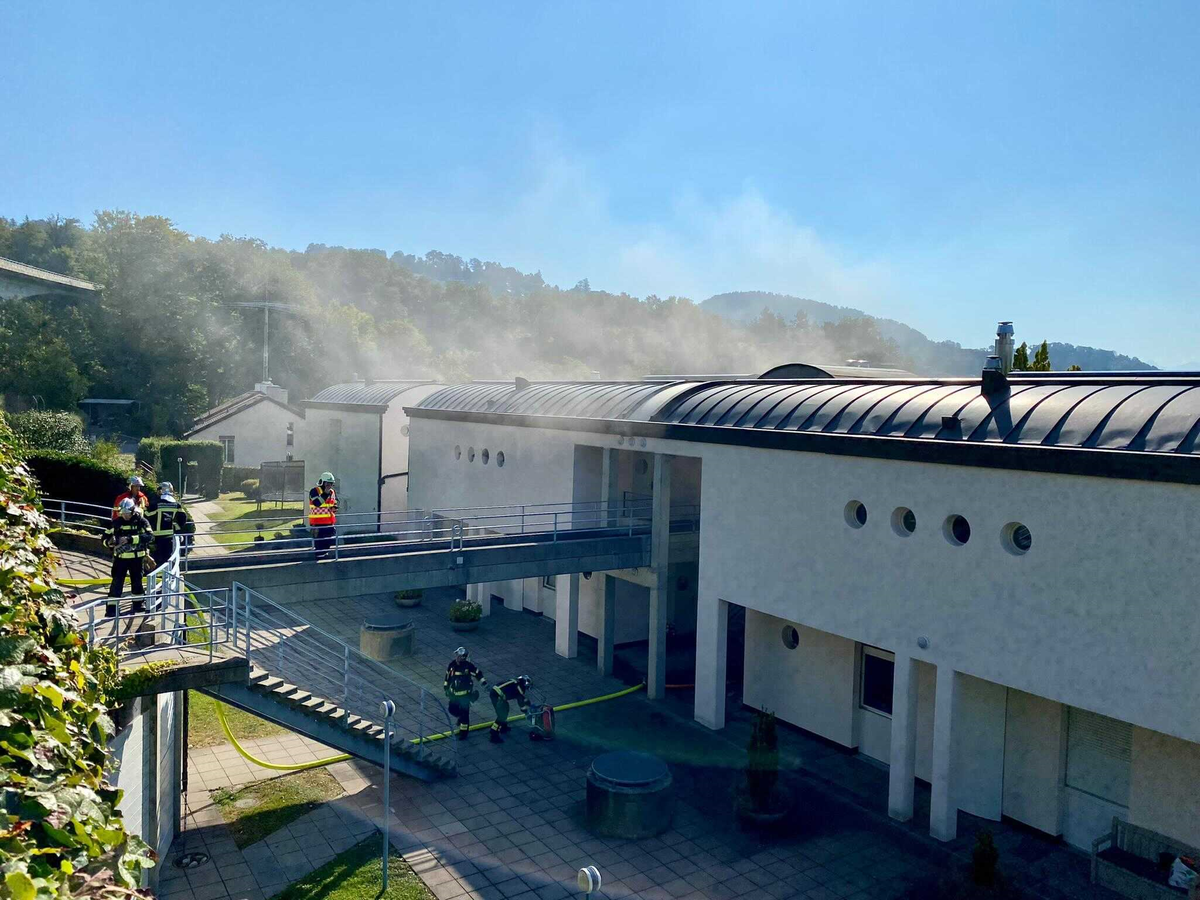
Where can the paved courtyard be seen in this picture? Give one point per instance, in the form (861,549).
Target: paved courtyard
(511,825)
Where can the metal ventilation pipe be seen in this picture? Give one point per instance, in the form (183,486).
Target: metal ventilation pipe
(1004,346)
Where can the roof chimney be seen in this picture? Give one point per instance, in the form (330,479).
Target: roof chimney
(519,383)
(994,381)
(1004,346)
(272,390)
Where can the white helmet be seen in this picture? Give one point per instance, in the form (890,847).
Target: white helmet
(462,651)
(165,487)
(127,505)
(135,481)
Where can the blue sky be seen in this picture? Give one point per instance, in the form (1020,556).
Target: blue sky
(945,164)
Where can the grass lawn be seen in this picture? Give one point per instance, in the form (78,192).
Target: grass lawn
(242,519)
(357,874)
(263,807)
(205,731)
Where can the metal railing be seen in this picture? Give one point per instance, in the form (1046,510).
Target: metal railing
(190,617)
(291,648)
(357,534)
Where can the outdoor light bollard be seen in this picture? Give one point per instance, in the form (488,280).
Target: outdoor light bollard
(387,709)
(589,880)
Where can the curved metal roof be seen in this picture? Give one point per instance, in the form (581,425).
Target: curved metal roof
(1145,416)
(364,393)
(1159,415)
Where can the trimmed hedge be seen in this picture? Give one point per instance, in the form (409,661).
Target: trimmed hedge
(43,429)
(233,476)
(65,476)
(149,451)
(209,457)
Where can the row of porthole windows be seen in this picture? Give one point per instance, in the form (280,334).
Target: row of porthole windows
(485,455)
(1014,537)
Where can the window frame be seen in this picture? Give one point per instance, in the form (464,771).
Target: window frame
(878,653)
(548,583)
(227,447)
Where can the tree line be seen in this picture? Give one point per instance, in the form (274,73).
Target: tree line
(167,329)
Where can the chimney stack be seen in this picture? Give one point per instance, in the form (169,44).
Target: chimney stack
(1004,346)
(994,381)
(272,390)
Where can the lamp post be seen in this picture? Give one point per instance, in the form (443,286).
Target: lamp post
(387,709)
(179,461)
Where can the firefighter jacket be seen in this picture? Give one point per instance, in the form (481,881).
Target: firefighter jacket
(512,690)
(129,538)
(322,507)
(168,518)
(140,501)
(460,677)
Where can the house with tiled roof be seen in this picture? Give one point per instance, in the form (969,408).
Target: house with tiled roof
(255,427)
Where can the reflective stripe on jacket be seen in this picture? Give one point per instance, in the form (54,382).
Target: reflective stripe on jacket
(460,677)
(129,539)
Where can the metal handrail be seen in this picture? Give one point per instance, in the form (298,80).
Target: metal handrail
(298,652)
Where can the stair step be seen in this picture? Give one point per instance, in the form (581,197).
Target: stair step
(299,697)
(268,684)
(284,689)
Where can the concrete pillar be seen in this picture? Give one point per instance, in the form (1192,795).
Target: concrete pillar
(566,618)
(712,639)
(610,493)
(608,627)
(660,557)
(904,739)
(943,811)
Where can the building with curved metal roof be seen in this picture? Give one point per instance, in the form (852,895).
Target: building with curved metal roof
(364,393)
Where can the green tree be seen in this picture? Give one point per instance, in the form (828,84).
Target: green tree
(1041,359)
(1074,368)
(1021,358)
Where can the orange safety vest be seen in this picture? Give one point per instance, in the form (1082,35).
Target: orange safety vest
(321,514)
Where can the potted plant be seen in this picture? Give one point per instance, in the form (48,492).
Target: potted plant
(408,599)
(465,615)
(763,802)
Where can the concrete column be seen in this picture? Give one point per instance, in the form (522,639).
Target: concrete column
(943,811)
(610,493)
(712,638)
(608,627)
(566,619)
(904,739)
(660,556)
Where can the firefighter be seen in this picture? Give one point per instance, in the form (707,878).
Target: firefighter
(459,685)
(129,539)
(167,519)
(514,689)
(322,514)
(136,494)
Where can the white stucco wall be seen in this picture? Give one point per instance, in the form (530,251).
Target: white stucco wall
(350,450)
(1163,796)
(128,758)
(1035,761)
(260,433)
(812,686)
(168,786)
(396,443)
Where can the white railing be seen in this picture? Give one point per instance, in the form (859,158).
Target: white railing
(190,617)
(291,648)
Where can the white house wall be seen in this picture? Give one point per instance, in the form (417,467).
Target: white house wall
(345,443)
(1162,792)
(1035,761)
(260,433)
(396,442)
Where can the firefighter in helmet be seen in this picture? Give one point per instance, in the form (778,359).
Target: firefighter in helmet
(502,694)
(459,685)
(167,519)
(322,514)
(128,536)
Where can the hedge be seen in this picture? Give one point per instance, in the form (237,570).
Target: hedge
(63,834)
(43,429)
(205,476)
(149,451)
(66,476)
(233,476)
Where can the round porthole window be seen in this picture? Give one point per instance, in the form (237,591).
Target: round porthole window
(957,530)
(457,452)
(643,467)
(791,637)
(486,456)
(1017,538)
(500,459)
(904,521)
(470,454)
(856,514)
(404,431)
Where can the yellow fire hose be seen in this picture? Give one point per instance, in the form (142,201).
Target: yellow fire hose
(295,767)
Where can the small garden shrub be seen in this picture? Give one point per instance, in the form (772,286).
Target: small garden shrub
(249,487)
(984,858)
(232,477)
(465,611)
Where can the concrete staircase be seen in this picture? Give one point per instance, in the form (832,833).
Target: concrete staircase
(310,682)
(301,711)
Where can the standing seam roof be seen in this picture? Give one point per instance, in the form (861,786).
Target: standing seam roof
(364,393)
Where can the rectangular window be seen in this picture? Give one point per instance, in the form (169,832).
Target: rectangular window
(878,673)
(227,446)
(548,582)
(291,434)
(1099,750)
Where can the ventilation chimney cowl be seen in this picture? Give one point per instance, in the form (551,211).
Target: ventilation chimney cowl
(520,383)
(994,381)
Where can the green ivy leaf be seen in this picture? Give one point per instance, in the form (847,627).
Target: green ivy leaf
(21,886)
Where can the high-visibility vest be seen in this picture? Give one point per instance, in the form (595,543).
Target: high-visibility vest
(132,532)
(321,514)
(162,519)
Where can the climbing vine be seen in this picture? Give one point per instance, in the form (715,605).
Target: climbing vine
(61,835)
